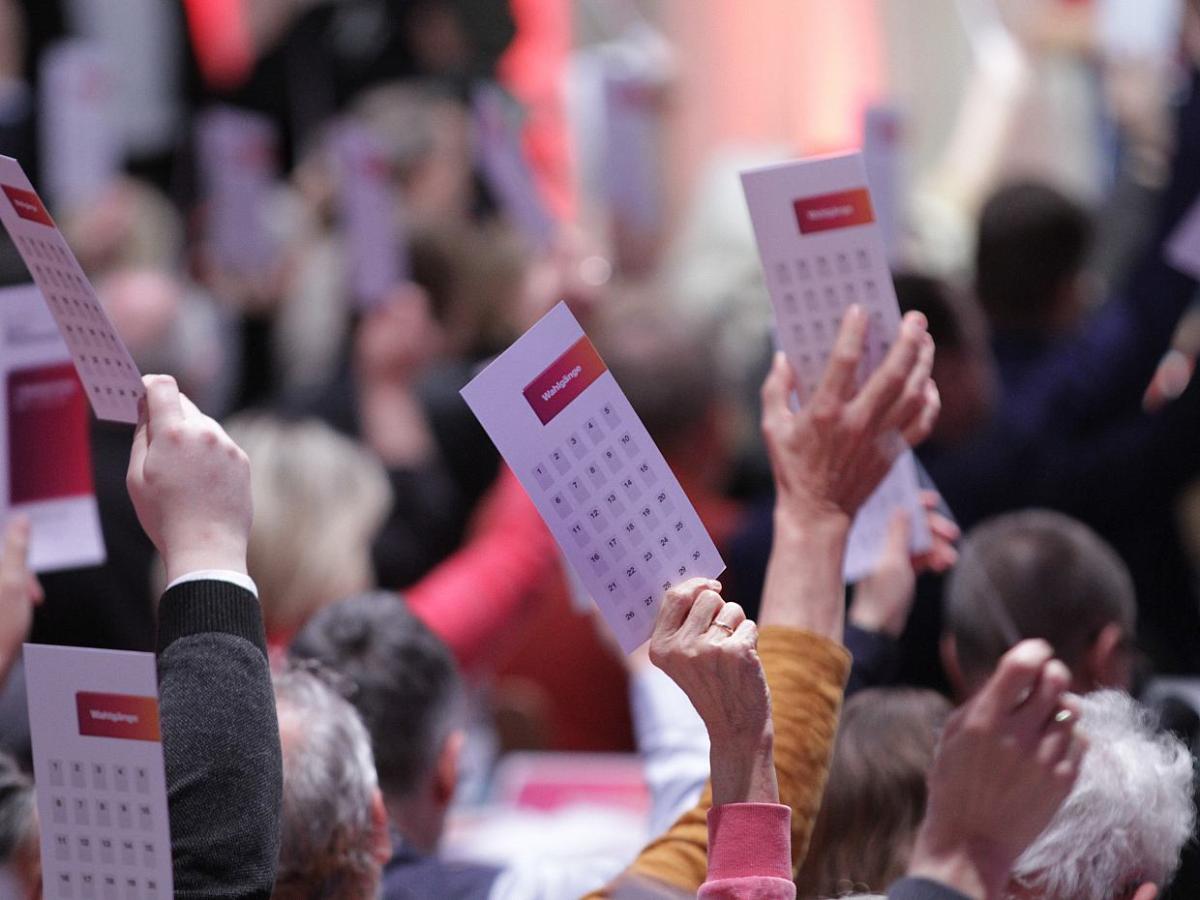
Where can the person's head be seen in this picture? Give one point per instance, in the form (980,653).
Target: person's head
(875,796)
(333,839)
(404,683)
(1126,819)
(1029,258)
(651,351)
(963,370)
(20,862)
(319,499)
(1041,574)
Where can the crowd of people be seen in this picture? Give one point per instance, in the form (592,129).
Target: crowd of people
(357,612)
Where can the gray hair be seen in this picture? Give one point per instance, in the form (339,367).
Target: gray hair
(18,824)
(1128,816)
(327,847)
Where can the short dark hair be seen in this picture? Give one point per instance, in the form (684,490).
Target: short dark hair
(1032,240)
(1050,575)
(932,297)
(398,675)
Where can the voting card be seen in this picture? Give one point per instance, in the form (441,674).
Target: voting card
(98,768)
(1182,248)
(45,449)
(81,151)
(633,104)
(108,372)
(883,131)
(821,251)
(237,153)
(505,168)
(368,206)
(573,440)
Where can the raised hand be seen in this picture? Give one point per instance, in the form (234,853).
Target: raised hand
(190,484)
(1006,762)
(20,592)
(708,648)
(830,455)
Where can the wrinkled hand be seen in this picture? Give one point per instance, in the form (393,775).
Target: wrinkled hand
(1006,762)
(708,647)
(828,457)
(190,484)
(883,600)
(20,592)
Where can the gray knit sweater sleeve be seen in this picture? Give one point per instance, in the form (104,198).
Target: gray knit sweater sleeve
(220,742)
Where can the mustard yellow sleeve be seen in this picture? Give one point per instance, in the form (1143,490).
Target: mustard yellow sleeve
(806,674)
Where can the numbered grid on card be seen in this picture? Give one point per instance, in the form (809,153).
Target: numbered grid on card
(101,831)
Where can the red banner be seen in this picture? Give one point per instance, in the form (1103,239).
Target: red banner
(564,380)
(829,211)
(123,716)
(28,205)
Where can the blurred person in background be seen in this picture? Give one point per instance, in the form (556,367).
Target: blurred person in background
(20,851)
(319,501)
(334,838)
(874,799)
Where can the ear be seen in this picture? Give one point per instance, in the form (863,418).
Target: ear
(1148,891)
(379,827)
(445,775)
(948,650)
(1106,663)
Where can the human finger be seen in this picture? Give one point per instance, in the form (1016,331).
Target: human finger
(702,613)
(838,380)
(730,616)
(1015,677)
(676,604)
(1044,700)
(887,382)
(917,429)
(911,399)
(15,554)
(776,389)
(163,406)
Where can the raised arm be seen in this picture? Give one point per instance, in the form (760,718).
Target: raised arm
(827,458)
(1006,762)
(20,592)
(190,485)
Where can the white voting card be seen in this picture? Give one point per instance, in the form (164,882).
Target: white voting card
(632,159)
(237,152)
(883,130)
(98,767)
(45,452)
(821,251)
(566,429)
(505,168)
(81,151)
(108,372)
(1183,246)
(370,219)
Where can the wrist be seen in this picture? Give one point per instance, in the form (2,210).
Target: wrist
(742,766)
(866,617)
(225,553)
(815,525)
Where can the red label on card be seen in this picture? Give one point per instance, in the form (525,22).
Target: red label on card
(830,211)
(564,380)
(123,716)
(28,205)
(48,447)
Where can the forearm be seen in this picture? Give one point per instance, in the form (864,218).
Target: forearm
(743,771)
(220,742)
(805,673)
(804,588)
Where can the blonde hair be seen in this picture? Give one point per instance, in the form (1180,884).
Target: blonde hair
(319,499)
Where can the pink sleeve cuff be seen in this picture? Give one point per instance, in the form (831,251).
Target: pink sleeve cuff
(749,852)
